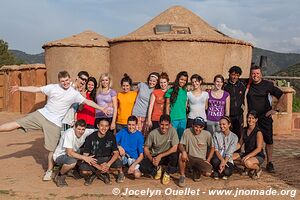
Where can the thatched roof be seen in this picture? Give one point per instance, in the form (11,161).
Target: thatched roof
(84,39)
(22,67)
(180,17)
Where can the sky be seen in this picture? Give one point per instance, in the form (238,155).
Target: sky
(28,24)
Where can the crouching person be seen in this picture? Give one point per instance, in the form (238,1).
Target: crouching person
(193,148)
(67,151)
(254,156)
(102,146)
(130,144)
(160,150)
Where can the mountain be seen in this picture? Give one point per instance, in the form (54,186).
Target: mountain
(275,61)
(28,58)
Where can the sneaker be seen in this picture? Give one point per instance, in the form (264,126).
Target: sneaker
(120,178)
(251,172)
(270,167)
(89,180)
(215,175)
(158,174)
(224,177)
(104,177)
(245,172)
(181,181)
(196,176)
(166,179)
(48,175)
(257,174)
(60,180)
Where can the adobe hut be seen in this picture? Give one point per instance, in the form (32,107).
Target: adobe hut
(177,40)
(85,51)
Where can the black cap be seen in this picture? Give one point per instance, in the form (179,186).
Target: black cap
(199,121)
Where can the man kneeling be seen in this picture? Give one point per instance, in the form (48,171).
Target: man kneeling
(130,143)
(67,151)
(193,150)
(103,147)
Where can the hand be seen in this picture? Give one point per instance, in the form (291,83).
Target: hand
(156,160)
(184,156)
(149,124)
(112,126)
(270,113)
(222,166)
(105,167)
(121,151)
(14,88)
(245,159)
(106,111)
(90,160)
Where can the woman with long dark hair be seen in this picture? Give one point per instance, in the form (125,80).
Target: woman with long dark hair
(252,138)
(176,100)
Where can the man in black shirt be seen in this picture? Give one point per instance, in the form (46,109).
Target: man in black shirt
(103,146)
(258,100)
(236,89)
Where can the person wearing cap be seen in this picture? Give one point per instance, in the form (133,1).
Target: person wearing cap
(193,148)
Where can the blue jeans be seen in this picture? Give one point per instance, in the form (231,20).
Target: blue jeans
(180,126)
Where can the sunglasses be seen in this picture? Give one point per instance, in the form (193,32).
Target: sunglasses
(84,79)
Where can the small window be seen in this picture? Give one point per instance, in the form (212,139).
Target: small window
(163,28)
(171,29)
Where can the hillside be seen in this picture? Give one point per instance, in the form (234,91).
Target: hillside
(294,71)
(275,61)
(28,58)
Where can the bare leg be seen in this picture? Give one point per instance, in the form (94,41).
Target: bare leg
(269,151)
(65,168)
(182,166)
(9,126)
(50,160)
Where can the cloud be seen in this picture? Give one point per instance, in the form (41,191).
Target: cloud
(238,34)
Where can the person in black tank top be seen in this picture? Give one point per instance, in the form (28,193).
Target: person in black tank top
(253,155)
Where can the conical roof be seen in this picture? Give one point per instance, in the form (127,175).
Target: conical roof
(85,39)
(181,19)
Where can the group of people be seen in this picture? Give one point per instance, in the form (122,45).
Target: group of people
(156,129)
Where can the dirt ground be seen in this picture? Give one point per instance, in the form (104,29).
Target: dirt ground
(22,161)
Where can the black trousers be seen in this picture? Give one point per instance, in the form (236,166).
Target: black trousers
(171,161)
(236,122)
(215,162)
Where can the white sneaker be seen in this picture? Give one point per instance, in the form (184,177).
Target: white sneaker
(48,175)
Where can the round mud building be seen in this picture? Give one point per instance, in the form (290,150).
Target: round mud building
(177,40)
(87,51)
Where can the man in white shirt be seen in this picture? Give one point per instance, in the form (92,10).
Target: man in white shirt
(60,98)
(67,152)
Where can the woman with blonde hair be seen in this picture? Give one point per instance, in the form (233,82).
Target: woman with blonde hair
(106,97)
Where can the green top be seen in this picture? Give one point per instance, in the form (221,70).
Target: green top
(159,143)
(178,109)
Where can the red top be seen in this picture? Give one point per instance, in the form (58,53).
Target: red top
(159,103)
(87,113)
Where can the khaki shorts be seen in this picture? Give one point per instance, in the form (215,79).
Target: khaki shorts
(37,121)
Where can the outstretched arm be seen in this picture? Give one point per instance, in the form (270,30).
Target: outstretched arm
(96,106)
(32,89)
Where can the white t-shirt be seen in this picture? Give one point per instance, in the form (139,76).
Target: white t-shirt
(197,105)
(68,139)
(59,102)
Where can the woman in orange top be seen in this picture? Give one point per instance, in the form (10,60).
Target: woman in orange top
(126,99)
(157,102)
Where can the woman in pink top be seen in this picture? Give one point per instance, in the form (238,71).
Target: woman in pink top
(157,102)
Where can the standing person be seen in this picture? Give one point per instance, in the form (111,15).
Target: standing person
(218,104)
(106,97)
(102,146)
(126,99)
(80,85)
(130,144)
(49,118)
(67,152)
(225,144)
(236,89)
(160,150)
(86,112)
(252,137)
(258,100)
(197,100)
(176,102)
(142,100)
(157,102)
(193,148)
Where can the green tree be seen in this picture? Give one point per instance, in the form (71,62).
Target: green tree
(6,58)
